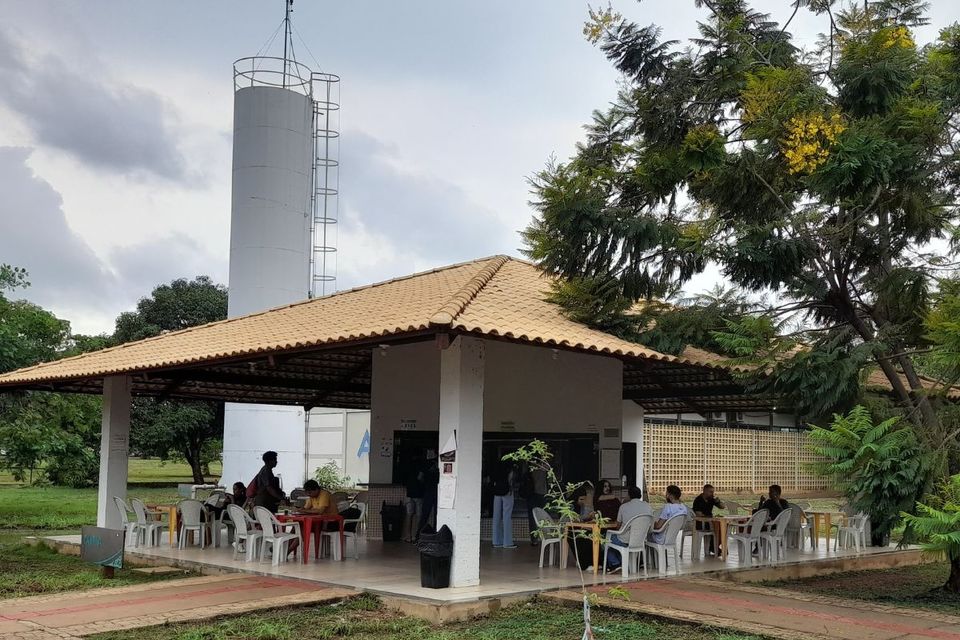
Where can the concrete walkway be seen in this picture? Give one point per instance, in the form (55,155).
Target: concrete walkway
(83,613)
(775,613)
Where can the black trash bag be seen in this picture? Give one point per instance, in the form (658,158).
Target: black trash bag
(392,520)
(435,549)
(437,544)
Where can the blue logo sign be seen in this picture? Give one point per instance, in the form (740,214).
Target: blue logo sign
(364,445)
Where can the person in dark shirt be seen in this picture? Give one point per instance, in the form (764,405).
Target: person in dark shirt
(268,494)
(703,506)
(773,503)
(239,495)
(604,502)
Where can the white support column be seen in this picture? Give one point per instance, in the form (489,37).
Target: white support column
(114,449)
(461,411)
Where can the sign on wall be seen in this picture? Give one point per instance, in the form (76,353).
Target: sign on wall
(102,546)
(364,445)
(408,424)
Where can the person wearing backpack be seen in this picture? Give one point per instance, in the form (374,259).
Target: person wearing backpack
(503,507)
(266,485)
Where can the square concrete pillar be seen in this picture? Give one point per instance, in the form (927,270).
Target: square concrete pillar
(114,449)
(461,412)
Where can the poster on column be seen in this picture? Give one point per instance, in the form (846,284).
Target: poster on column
(446,491)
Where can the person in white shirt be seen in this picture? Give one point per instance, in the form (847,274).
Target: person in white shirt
(629,510)
(672,508)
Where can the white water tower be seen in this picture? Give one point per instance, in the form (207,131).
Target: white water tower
(283,216)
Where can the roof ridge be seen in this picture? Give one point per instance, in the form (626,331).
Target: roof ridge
(124,345)
(456,305)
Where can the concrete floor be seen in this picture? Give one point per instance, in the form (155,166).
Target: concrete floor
(393,569)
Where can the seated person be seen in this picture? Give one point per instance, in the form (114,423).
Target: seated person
(673,508)
(319,501)
(604,502)
(239,495)
(703,506)
(773,503)
(629,510)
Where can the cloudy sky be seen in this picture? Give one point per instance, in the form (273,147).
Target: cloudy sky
(115,144)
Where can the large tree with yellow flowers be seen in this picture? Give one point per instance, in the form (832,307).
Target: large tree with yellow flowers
(826,178)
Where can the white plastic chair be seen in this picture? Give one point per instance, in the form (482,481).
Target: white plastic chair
(244,533)
(193,518)
(273,535)
(772,541)
(796,531)
(333,537)
(672,529)
(854,531)
(149,529)
(635,532)
(732,507)
(750,535)
(130,527)
(551,534)
(697,536)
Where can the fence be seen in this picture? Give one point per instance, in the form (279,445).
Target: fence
(737,460)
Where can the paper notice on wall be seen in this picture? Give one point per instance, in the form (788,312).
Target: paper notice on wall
(446,492)
(610,463)
(448,453)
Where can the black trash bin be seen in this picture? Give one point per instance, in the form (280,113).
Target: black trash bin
(392,518)
(435,552)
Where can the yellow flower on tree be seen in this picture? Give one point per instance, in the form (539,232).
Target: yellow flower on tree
(898,36)
(808,141)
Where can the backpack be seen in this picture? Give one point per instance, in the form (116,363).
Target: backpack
(252,488)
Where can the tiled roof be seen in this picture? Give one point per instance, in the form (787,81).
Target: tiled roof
(497,296)
(877,381)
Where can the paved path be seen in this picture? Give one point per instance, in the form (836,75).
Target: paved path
(776,613)
(82,613)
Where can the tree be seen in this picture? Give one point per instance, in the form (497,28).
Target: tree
(881,468)
(819,177)
(938,522)
(179,429)
(171,307)
(43,435)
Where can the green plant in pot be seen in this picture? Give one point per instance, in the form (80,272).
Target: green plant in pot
(882,469)
(330,478)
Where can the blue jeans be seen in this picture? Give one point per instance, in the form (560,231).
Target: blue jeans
(503,520)
(613,556)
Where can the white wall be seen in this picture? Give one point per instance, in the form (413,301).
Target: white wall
(341,436)
(405,394)
(633,432)
(536,389)
(249,430)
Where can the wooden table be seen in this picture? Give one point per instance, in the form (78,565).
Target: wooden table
(171,510)
(313,523)
(720,525)
(596,535)
(822,516)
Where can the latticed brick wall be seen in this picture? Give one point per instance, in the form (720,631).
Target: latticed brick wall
(733,460)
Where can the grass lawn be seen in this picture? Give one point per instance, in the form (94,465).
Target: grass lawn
(363,618)
(916,587)
(27,570)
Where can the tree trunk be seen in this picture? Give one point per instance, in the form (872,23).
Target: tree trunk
(197,470)
(953,582)
(928,415)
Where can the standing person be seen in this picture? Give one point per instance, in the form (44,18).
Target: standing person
(431,479)
(414,503)
(268,493)
(537,484)
(703,506)
(503,507)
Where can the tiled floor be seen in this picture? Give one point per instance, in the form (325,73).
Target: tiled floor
(394,568)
